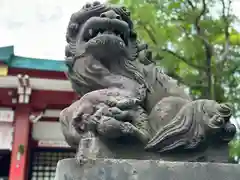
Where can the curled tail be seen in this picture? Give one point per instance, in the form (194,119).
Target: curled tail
(174,125)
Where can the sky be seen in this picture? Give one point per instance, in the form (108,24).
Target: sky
(37,28)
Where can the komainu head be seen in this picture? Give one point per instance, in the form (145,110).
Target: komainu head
(102,30)
(102,35)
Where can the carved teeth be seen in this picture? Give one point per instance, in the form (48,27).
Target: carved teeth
(121,44)
(90,31)
(82,127)
(93,33)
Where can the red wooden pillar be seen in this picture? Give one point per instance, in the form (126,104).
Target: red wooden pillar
(19,161)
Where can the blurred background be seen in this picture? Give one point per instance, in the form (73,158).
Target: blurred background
(197,42)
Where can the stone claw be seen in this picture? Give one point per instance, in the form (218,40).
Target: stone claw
(111,103)
(91,123)
(127,128)
(83,122)
(118,114)
(76,122)
(76,117)
(81,160)
(114,110)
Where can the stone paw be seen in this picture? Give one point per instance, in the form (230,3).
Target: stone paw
(127,128)
(118,114)
(127,103)
(91,123)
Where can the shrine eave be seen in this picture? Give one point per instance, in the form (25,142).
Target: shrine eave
(8,58)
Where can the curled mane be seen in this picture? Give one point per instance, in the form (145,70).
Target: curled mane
(86,74)
(84,71)
(132,69)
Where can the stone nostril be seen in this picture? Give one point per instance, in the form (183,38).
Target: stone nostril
(111,15)
(103,15)
(118,17)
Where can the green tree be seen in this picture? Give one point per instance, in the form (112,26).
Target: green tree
(194,41)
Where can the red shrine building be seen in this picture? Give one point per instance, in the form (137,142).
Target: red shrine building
(32,94)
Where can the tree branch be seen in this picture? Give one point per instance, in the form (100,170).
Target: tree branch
(181,80)
(207,47)
(149,32)
(233,69)
(153,39)
(223,56)
(187,61)
(190,4)
(177,77)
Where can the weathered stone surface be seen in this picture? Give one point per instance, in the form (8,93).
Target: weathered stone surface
(121,97)
(112,169)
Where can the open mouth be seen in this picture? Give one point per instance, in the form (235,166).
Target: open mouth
(102,33)
(96,27)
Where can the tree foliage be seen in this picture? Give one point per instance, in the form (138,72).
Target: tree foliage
(194,41)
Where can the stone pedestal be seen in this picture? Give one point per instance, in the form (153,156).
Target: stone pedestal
(114,169)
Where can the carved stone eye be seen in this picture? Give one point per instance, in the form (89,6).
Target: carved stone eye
(88,5)
(73,27)
(96,3)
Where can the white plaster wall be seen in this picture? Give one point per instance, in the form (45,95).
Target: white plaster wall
(47,131)
(6,136)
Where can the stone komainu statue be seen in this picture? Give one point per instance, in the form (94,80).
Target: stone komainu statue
(125,97)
